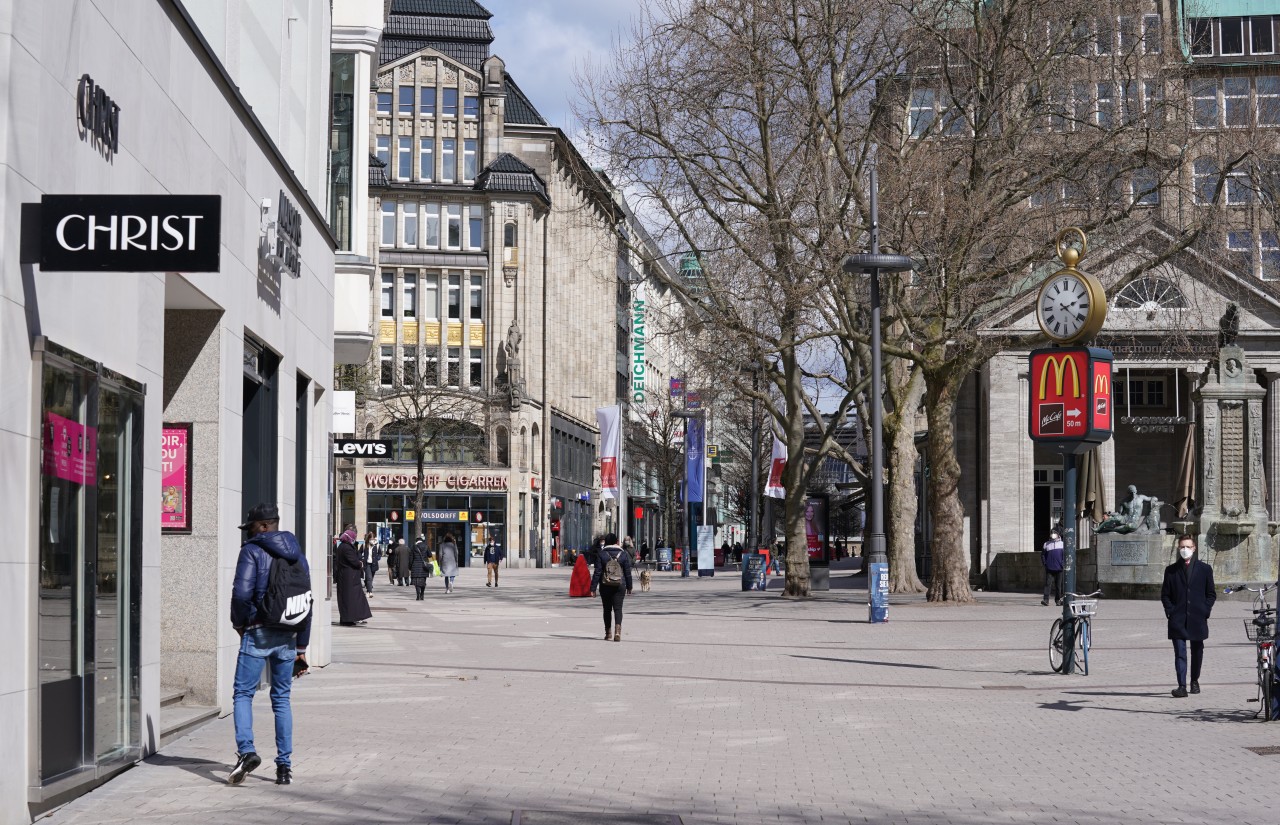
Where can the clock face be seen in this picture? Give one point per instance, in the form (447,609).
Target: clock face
(1064,307)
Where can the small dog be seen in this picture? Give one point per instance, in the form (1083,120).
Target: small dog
(646,579)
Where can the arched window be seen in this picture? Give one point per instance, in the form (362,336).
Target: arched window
(523,449)
(1150,293)
(510,235)
(536,448)
(368,430)
(503,447)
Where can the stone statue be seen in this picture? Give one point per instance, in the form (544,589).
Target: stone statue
(1229,326)
(1140,514)
(511,349)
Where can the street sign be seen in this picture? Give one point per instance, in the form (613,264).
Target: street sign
(1071,404)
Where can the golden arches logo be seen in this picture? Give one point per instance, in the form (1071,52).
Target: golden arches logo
(1102,384)
(1060,365)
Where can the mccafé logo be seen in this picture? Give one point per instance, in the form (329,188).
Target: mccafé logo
(1060,364)
(123,233)
(1051,419)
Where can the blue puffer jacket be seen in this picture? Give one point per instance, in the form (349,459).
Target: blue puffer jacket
(253,569)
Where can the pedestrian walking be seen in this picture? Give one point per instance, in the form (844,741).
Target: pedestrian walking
(391,563)
(493,556)
(348,574)
(274,628)
(1051,558)
(1188,596)
(402,563)
(372,555)
(448,561)
(580,579)
(419,565)
(613,579)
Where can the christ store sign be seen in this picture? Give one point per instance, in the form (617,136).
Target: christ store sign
(123,233)
(435,481)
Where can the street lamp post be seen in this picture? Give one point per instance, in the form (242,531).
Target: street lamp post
(755,462)
(872,263)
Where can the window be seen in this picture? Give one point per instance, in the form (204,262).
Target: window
(953,122)
(475,226)
(1153,101)
(471,106)
(1240,241)
(1261,36)
(1139,392)
(409,303)
(427,101)
(1268,92)
(1106,105)
(383,152)
(431,367)
(921,116)
(1239,188)
(1146,187)
(503,440)
(510,236)
(1235,100)
(405,97)
(1269,262)
(431,296)
(450,106)
(536,444)
(426,159)
(477,298)
(1128,28)
(433,225)
(409,366)
(410,224)
(453,214)
(1204,176)
(476,368)
(454,378)
(388,223)
(404,158)
(1150,293)
(1201,37)
(388,293)
(1106,40)
(1231,35)
(455,298)
(384,103)
(1204,103)
(1083,111)
(468,160)
(1151,33)
(448,160)
(1130,102)
(387,372)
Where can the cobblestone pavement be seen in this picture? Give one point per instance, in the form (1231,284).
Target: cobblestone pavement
(494,706)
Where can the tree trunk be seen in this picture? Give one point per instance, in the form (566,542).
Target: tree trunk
(417,500)
(900,512)
(797,559)
(950,579)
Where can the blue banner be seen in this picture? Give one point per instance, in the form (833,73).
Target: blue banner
(878,585)
(695,459)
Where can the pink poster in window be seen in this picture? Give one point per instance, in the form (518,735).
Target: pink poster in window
(175,479)
(70,450)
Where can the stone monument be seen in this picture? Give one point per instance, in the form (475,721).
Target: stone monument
(1233,521)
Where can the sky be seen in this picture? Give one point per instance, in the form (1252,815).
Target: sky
(545,41)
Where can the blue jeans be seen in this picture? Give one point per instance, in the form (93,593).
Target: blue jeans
(258,647)
(1180,660)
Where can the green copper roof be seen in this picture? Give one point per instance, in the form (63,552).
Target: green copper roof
(1229,8)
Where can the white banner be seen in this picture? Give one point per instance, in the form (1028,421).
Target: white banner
(344,412)
(777,465)
(610,421)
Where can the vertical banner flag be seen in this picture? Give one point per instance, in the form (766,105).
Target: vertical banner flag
(677,388)
(695,459)
(610,421)
(777,466)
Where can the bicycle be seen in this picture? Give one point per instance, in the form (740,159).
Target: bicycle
(1083,607)
(1261,631)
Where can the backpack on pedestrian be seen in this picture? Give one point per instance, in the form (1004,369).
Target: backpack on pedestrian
(287,602)
(613,574)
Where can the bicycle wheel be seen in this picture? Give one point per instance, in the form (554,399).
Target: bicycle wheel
(1082,646)
(1264,686)
(1056,646)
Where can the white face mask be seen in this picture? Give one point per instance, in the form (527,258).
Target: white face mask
(1186,552)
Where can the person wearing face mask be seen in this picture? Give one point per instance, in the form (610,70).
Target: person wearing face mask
(1188,596)
(1051,558)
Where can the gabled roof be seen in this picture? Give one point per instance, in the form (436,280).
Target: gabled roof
(458,29)
(507,173)
(455,8)
(519,108)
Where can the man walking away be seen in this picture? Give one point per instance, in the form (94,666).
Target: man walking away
(1188,596)
(271,610)
(1051,557)
(419,565)
(493,556)
(612,572)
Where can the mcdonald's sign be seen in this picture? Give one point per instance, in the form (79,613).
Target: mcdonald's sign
(1070,404)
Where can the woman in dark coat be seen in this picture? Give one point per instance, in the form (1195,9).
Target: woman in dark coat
(418,566)
(402,563)
(1188,596)
(348,576)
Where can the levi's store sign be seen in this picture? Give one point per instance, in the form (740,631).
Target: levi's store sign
(124,233)
(1070,397)
(362,448)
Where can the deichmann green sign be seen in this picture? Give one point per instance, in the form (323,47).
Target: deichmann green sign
(637,345)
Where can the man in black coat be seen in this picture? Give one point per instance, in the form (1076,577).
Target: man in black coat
(1188,596)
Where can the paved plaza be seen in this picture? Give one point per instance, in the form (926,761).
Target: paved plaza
(500,706)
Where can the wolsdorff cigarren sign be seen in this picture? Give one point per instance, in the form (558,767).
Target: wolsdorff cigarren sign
(435,481)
